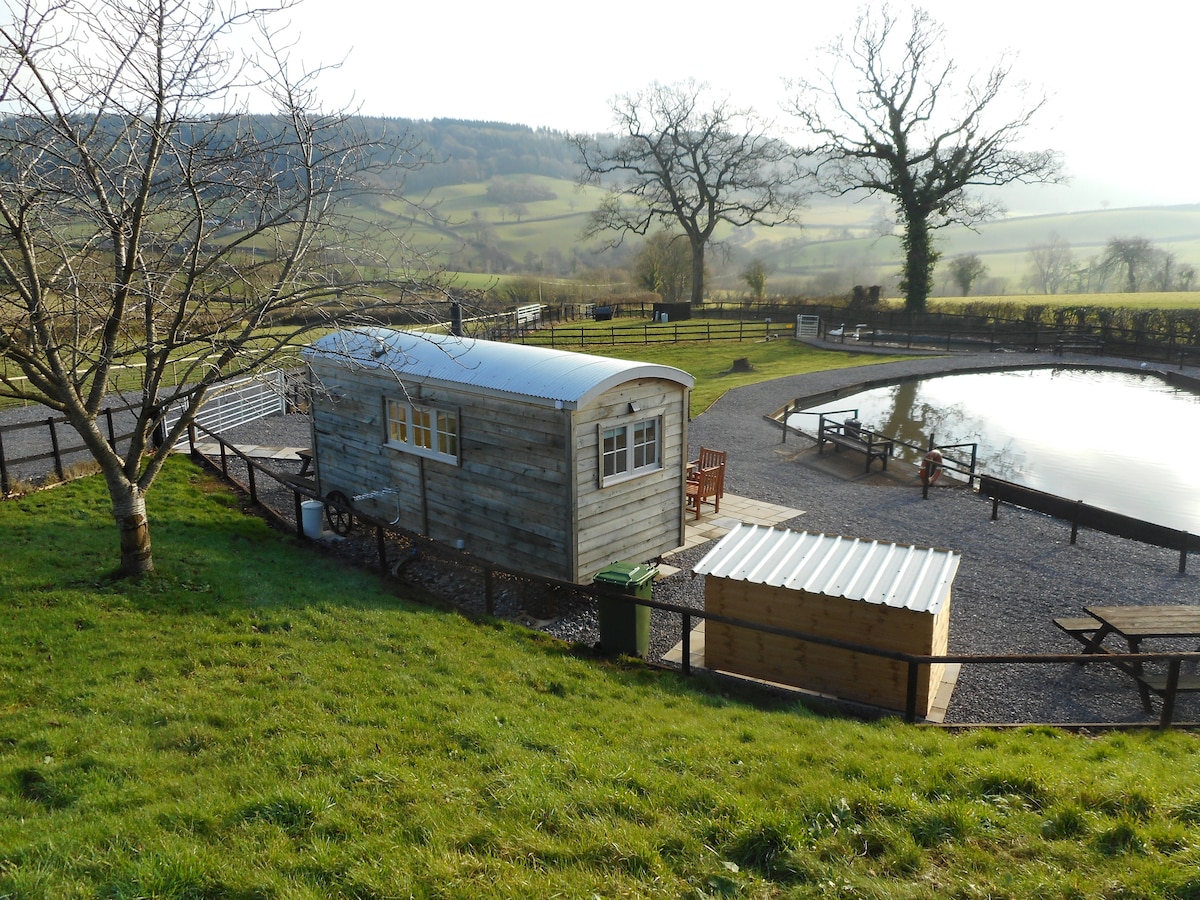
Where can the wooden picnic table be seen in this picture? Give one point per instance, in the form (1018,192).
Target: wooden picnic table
(1136,624)
(1139,623)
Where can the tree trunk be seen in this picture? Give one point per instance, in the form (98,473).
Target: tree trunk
(919,260)
(129,509)
(697,274)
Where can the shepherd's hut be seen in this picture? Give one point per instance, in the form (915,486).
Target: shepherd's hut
(540,460)
(889,597)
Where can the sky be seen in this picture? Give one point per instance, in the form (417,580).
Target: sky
(1122,83)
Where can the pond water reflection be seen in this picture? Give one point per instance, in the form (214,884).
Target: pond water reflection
(1123,441)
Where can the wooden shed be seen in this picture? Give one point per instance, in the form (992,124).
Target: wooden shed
(882,595)
(541,460)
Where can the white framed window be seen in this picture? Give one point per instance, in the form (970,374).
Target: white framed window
(424,430)
(627,451)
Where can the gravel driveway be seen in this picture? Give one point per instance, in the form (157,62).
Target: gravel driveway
(1017,573)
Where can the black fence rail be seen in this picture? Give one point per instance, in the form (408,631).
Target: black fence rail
(1078,513)
(492,572)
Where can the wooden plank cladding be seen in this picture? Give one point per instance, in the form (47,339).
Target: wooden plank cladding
(887,597)
(525,485)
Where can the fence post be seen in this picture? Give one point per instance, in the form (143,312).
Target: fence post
(250,481)
(1168,709)
(910,703)
(4,485)
(58,466)
(1075,520)
(686,662)
(299,513)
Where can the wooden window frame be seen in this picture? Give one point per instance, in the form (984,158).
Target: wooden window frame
(628,457)
(427,430)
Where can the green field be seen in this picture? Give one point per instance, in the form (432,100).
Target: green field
(836,243)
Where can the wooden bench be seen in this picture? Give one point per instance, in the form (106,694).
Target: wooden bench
(842,438)
(1082,345)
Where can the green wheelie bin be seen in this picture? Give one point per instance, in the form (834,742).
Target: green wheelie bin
(625,626)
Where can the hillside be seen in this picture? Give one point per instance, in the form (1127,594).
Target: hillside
(506,203)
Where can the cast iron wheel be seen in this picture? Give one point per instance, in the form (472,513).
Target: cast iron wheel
(337,511)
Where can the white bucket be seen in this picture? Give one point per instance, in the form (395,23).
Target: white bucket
(310,517)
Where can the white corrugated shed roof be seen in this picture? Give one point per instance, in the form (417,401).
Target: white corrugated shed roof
(899,575)
(558,376)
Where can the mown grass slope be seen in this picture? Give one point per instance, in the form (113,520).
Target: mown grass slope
(255,720)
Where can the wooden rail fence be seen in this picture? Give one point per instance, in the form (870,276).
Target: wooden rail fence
(1098,519)
(492,572)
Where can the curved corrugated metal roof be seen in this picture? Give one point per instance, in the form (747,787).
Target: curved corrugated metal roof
(559,376)
(899,575)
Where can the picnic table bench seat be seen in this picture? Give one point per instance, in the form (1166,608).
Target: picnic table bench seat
(1081,628)
(1158,683)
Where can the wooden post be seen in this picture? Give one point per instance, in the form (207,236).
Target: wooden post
(1075,520)
(299,513)
(1168,709)
(686,662)
(910,702)
(381,544)
(250,480)
(995,508)
(4,485)
(58,466)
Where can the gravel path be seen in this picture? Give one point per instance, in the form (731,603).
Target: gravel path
(1017,573)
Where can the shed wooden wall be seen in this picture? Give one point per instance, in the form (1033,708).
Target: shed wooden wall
(526,493)
(854,676)
(638,519)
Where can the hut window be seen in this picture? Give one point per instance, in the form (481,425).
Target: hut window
(423,430)
(629,450)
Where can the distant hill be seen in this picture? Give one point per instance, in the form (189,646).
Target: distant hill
(512,206)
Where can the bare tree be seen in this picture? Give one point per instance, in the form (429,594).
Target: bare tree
(149,223)
(899,125)
(681,158)
(1052,263)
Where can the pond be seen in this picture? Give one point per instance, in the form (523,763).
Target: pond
(1124,441)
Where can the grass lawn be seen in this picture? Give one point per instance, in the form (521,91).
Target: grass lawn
(711,364)
(257,721)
